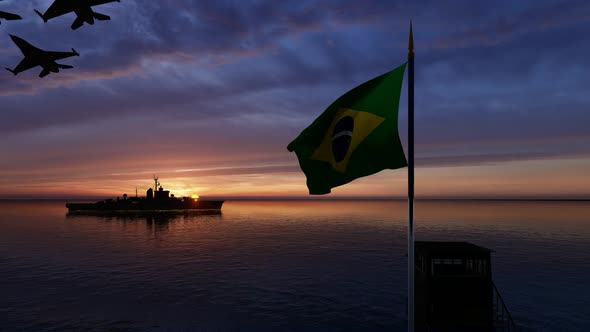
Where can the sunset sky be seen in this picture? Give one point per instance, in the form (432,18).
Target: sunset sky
(207,95)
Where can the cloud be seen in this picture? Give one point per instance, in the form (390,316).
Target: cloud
(233,83)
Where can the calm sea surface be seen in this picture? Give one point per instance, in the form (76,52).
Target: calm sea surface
(278,266)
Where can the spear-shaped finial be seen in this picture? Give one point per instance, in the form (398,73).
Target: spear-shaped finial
(411,43)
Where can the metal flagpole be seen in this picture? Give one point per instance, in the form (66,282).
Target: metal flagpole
(411,181)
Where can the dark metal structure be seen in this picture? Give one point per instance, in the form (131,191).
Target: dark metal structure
(455,291)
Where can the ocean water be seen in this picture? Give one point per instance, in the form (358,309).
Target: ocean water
(278,266)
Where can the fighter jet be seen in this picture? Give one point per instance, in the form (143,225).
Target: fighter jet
(37,57)
(82,8)
(9,16)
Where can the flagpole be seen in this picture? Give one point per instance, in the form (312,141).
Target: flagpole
(411,181)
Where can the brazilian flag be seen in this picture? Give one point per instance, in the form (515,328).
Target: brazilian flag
(356,135)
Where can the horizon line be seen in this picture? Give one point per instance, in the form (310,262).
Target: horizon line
(328,198)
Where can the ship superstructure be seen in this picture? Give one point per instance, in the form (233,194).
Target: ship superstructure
(156,199)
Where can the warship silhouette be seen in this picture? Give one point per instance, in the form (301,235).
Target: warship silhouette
(156,199)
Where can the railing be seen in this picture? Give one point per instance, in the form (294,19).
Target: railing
(502,318)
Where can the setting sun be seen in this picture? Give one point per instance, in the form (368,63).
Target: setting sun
(195,196)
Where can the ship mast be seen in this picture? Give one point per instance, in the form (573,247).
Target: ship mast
(156,183)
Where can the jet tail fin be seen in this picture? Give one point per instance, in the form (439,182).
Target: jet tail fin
(10,70)
(44,73)
(101,17)
(75,52)
(41,15)
(78,22)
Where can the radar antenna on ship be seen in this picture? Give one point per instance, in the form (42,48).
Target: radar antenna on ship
(156,183)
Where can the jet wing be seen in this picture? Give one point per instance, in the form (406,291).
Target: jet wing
(23,45)
(9,16)
(26,64)
(58,8)
(100,2)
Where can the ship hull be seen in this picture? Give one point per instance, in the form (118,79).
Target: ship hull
(130,205)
